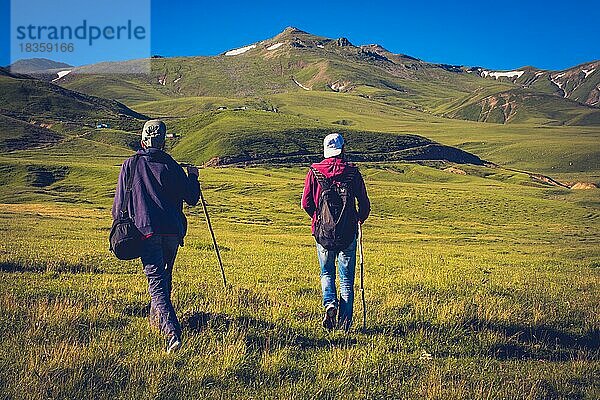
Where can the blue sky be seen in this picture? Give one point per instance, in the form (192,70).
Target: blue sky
(493,34)
(92,47)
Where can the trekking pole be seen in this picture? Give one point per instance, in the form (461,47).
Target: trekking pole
(212,232)
(362,277)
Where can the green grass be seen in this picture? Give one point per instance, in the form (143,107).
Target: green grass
(522,106)
(564,152)
(240,136)
(18,135)
(497,280)
(492,274)
(29,99)
(406,84)
(119,87)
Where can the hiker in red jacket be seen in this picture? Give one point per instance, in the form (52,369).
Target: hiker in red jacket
(331,189)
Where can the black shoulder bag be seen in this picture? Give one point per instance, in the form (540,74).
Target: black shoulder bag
(125,239)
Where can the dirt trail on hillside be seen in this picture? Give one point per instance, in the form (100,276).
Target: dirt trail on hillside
(546,179)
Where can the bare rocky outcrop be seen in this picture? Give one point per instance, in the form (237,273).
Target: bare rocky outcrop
(454,170)
(343,42)
(583,186)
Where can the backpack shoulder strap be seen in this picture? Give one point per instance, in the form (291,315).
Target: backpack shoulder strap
(129,185)
(349,176)
(323,181)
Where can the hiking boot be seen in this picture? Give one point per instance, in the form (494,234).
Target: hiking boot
(330,316)
(173,343)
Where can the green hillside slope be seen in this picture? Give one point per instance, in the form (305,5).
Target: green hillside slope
(28,99)
(18,135)
(227,137)
(522,105)
(295,61)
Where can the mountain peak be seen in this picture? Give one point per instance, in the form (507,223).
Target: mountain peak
(375,47)
(298,36)
(28,65)
(343,42)
(292,30)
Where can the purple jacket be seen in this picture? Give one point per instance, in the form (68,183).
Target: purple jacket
(160,186)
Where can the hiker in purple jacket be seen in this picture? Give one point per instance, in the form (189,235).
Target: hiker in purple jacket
(159,188)
(334,169)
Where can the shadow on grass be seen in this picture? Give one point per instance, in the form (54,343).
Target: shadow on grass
(262,334)
(59,267)
(538,342)
(474,337)
(137,310)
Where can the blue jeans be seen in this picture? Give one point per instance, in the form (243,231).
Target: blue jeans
(346,265)
(158,257)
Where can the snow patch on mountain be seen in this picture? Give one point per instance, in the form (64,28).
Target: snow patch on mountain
(239,51)
(275,46)
(588,72)
(299,84)
(339,86)
(61,74)
(501,74)
(554,79)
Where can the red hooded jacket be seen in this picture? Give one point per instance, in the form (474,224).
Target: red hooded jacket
(333,167)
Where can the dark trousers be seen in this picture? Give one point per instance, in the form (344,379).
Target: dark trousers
(158,257)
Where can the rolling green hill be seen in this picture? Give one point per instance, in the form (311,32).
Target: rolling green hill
(38,114)
(569,152)
(19,135)
(242,106)
(231,137)
(522,105)
(35,101)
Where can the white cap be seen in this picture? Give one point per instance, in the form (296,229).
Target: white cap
(332,145)
(154,133)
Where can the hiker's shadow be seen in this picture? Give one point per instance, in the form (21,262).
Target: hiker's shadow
(539,342)
(261,334)
(197,322)
(137,310)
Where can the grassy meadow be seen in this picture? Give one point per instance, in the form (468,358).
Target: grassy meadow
(482,286)
(568,153)
(481,281)
(478,286)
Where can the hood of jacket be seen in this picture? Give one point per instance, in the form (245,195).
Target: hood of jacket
(333,166)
